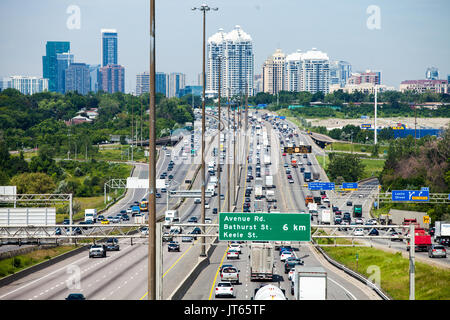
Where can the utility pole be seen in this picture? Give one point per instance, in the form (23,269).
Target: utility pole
(412,268)
(376,106)
(152,274)
(203,8)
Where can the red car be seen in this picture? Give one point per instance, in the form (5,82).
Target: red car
(289,176)
(284,154)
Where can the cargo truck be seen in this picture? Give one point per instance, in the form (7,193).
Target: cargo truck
(90,215)
(258,188)
(357,211)
(309,199)
(310,283)
(422,240)
(307,176)
(270,196)
(442,230)
(267,159)
(316,176)
(269,181)
(171,216)
(325,216)
(261,261)
(135,210)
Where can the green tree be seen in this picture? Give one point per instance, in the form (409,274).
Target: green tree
(33,183)
(348,166)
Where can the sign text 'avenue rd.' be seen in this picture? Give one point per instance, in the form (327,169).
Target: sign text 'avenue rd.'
(237,226)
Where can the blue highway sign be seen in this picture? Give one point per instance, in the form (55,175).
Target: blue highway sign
(321,186)
(410,195)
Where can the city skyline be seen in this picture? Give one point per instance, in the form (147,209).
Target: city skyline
(400,53)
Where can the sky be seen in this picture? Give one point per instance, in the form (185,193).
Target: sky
(400,38)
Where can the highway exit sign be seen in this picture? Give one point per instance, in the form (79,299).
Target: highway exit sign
(237,226)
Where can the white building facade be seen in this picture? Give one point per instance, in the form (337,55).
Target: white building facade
(235,49)
(26,85)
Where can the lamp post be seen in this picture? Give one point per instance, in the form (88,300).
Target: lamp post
(218,140)
(204,8)
(152,273)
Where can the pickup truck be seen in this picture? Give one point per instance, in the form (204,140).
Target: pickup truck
(230,274)
(97,251)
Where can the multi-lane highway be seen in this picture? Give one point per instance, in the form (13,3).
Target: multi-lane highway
(123,274)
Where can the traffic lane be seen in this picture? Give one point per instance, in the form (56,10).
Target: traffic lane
(57,280)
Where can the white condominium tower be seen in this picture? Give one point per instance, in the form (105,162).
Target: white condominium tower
(293,72)
(297,72)
(237,71)
(315,74)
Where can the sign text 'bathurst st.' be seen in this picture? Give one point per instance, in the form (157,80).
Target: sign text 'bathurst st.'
(237,226)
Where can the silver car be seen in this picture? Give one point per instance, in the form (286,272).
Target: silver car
(437,250)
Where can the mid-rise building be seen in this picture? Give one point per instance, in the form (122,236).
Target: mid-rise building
(94,70)
(50,63)
(109,47)
(64,60)
(235,50)
(177,81)
(26,85)
(340,72)
(421,86)
(366,88)
(369,76)
(112,78)
(77,78)
(274,73)
(143,83)
(432,73)
(194,90)
(257,84)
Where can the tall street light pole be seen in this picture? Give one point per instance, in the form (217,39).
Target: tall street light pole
(218,140)
(376,106)
(228,155)
(152,165)
(204,8)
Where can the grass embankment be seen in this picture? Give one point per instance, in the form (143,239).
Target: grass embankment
(373,167)
(120,153)
(432,283)
(355,147)
(12,265)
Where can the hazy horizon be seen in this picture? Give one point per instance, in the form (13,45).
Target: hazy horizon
(413,34)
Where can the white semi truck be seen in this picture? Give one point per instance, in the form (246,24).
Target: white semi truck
(171,216)
(325,216)
(310,283)
(269,181)
(442,230)
(90,215)
(261,261)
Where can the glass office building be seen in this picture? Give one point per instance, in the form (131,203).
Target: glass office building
(50,63)
(109,47)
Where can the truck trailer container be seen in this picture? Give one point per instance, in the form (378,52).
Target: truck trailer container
(310,283)
(261,261)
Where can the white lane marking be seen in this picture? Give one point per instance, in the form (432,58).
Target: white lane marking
(47,275)
(354,298)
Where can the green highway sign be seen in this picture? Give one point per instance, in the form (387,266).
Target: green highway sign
(238,226)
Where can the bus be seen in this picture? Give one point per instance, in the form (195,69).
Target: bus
(143,206)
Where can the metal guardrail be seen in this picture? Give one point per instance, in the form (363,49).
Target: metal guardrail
(352,273)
